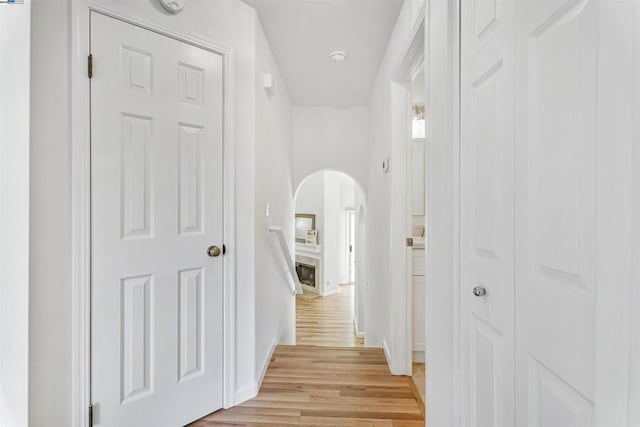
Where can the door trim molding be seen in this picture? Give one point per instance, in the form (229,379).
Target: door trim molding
(411,57)
(442,68)
(81,197)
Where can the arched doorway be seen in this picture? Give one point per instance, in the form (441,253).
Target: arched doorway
(329,209)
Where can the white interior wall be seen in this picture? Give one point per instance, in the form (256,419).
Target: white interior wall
(382,322)
(243,40)
(50,219)
(326,138)
(226,22)
(14,213)
(275,306)
(331,259)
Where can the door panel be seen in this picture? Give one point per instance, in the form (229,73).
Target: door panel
(573,192)
(553,402)
(156,159)
(556,212)
(487,361)
(486,228)
(569,200)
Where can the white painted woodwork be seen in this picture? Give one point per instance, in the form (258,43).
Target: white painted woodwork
(351,245)
(633,301)
(487,213)
(418,261)
(281,247)
(416,177)
(191,327)
(418,295)
(400,300)
(416,197)
(442,208)
(156,159)
(547,167)
(15,225)
(556,213)
(418,313)
(573,193)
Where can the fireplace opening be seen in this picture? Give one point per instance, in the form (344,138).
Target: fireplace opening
(306,274)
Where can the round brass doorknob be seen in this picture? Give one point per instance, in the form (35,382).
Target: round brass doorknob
(214,251)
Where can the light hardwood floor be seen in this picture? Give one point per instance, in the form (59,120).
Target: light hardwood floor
(328,379)
(418,379)
(308,385)
(326,321)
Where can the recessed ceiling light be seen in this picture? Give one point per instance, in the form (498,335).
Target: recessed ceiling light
(337,56)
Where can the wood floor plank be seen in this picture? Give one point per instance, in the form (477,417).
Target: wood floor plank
(303,393)
(328,379)
(327,321)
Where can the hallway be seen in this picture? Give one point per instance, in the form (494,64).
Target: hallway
(327,321)
(308,385)
(329,378)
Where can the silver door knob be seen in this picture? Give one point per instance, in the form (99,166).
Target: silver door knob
(479,291)
(214,251)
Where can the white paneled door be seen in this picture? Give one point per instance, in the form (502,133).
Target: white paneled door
(574,79)
(156,187)
(487,214)
(548,97)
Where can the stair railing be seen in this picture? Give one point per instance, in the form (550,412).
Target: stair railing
(281,247)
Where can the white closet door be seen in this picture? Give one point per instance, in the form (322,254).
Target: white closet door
(573,193)
(156,159)
(487,204)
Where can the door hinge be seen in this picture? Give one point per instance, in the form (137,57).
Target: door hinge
(90,415)
(90,65)
(410,242)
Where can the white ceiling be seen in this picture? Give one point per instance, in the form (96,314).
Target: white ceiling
(302,34)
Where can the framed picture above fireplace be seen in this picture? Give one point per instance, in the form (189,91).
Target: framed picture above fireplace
(304,223)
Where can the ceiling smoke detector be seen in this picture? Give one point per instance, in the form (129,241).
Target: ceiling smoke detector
(338,56)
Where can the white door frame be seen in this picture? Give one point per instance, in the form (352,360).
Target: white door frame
(361,286)
(81,192)
(350,226)
(15,43)
(411,57)
(442,72)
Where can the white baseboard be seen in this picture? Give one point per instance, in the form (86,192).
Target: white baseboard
(250,391)
(331,292)
(265,366)
(359,334)
(418,357)
(245,393)
(387,353)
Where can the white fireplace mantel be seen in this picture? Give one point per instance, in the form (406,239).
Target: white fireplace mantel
(312,255)
(309,250)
